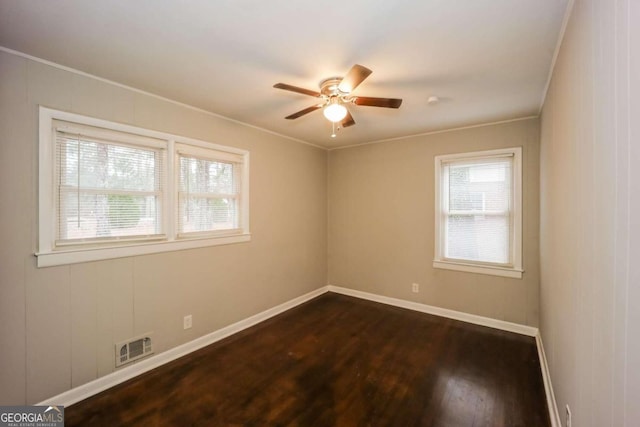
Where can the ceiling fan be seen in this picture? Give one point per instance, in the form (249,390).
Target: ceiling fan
(335,93)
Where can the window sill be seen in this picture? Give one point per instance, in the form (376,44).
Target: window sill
(77,255)
(480,269)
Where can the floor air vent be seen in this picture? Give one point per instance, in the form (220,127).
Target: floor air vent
(134,349)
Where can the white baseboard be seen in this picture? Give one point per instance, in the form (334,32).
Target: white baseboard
(554,415)
(438,311)
(89,389)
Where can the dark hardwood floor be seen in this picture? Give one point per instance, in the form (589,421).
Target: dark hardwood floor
(337,361)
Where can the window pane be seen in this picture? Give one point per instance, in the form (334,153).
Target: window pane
(478,216)
(99,216)
(205,214)
(107,166)
(478,238)
(483,187)
(106,190)
(207,199)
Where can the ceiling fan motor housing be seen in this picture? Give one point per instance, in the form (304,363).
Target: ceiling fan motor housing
(329,87)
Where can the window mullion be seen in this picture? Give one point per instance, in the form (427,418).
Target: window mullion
(170,198)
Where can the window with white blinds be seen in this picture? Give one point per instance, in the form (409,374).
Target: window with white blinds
(109,190)
(208,192)
(478,212)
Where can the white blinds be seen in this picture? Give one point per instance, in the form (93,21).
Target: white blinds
(208,194)
(477,209)
(106,189)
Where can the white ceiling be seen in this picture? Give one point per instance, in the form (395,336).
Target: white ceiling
(488,60)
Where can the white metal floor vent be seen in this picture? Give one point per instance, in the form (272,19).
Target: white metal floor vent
(133,349)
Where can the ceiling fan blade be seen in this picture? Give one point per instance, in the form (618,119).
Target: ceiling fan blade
(378,102)
(297,89)
(354,77)
(348,120)
(303,112)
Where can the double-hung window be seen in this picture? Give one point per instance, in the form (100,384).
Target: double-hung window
(109,190)
(208,191)
(108,186)
(479,212)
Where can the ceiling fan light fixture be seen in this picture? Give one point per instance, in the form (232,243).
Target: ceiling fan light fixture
(335,112)
(335,93)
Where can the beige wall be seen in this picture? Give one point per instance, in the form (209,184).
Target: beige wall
(381,223)
(58,325)
(590,206)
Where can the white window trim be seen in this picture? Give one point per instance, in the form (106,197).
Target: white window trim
(48,255)
(440,261)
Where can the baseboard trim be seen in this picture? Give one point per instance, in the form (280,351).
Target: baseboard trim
(554,415)
(94,387)
(438,311)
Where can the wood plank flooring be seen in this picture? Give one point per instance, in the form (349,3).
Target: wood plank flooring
(337,361)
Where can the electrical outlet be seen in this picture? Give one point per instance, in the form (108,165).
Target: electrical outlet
(567,418)
(415,287)
(187,322)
